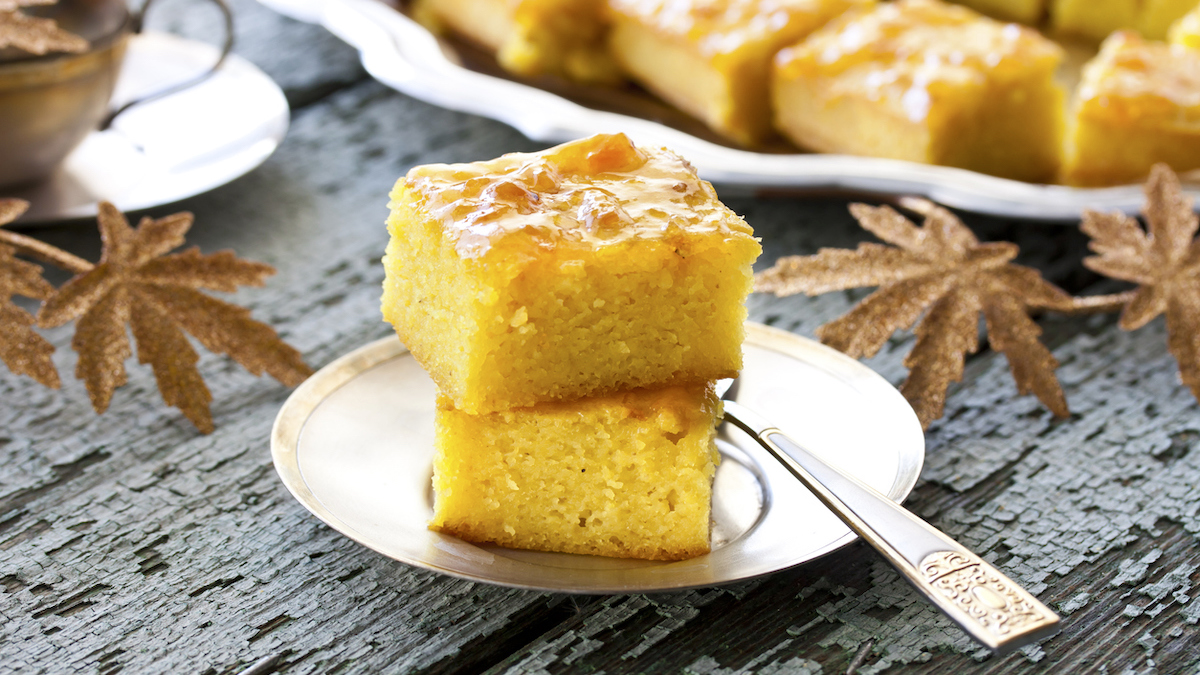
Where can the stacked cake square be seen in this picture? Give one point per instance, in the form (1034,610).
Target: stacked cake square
(574,307)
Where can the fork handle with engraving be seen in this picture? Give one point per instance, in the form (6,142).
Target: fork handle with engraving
(989,606)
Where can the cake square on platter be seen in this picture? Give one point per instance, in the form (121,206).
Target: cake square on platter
(1138,104)
(712,59)
(925,81)
(566,38)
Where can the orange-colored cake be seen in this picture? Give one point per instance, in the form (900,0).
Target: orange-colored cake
(591,267)
(1138,104)
(928,82)
(713,59)
(627,475)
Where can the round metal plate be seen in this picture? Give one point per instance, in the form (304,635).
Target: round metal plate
(354,444)
(171,148)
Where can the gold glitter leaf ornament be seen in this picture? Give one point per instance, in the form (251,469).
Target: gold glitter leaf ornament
(22,350)
(1163,259)
(941,272)
(136,284)
(35,35)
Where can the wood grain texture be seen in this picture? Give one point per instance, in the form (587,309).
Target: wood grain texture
(129,543)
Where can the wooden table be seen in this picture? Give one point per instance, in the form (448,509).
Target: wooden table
(129,542)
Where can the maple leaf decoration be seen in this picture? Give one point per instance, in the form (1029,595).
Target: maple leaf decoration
(34,35)
(1164,260)
(22,350)
(157,295)
(940,271)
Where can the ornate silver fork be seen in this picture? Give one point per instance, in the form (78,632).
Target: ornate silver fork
(989,606)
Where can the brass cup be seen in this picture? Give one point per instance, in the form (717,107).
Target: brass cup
(49,104)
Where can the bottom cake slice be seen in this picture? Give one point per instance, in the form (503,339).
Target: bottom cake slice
(627,475)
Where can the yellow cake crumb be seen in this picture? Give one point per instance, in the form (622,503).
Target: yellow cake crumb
(591,267)
(1138,104)
(928,82)
(627,475)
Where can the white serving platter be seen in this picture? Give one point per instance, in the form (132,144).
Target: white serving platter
(403,55)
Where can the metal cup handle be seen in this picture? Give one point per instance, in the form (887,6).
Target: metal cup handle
(137,24)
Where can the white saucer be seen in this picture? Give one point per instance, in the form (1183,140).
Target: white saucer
(166,150)
(354,445)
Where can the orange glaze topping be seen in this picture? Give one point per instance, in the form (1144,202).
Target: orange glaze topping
(909,51)
(1133,79)
(593,192)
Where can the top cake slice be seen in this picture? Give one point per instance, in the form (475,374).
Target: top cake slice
(590,267)
(712,58)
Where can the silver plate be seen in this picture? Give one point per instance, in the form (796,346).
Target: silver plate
(354,445)
(403,55)
(172,148)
